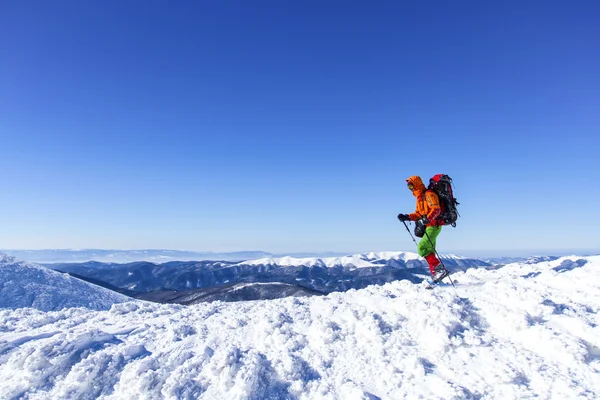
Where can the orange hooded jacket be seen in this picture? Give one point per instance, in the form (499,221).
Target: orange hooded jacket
(428,204)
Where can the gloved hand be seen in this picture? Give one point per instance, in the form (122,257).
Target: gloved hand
(425,220)
(403,217)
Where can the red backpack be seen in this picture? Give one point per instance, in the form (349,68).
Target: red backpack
(442,186)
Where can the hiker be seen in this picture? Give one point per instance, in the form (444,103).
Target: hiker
(426,216)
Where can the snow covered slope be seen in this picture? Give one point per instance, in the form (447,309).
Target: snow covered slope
(520,331)
(28,285)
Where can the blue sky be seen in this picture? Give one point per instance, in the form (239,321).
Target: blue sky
(290,126)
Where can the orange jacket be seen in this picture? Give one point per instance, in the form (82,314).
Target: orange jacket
(428,204)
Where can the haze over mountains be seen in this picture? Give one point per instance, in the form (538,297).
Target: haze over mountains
(165,255)
(153,255)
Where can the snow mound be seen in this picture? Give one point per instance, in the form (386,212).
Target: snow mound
(23,284)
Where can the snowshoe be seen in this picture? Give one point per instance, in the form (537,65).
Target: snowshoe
(440,273)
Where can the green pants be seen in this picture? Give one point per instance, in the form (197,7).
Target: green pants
(427,245)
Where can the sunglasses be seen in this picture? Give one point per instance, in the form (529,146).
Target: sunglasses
(411,186)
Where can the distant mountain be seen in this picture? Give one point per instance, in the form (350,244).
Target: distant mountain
(504,260)
(500,261)
(145,276)
(237,292)
(321,274)
(125,256)
(23,284)
(539,259)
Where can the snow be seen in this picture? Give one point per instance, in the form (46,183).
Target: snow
(23,284)
(519,331)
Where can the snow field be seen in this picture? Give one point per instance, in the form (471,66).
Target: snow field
(520,331)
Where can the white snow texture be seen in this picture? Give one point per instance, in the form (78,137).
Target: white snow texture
(519,331)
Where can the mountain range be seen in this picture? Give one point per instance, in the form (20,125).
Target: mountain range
(212,280)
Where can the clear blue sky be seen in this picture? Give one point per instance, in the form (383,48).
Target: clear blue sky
(291,126)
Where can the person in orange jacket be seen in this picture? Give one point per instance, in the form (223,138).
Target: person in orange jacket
(427,211)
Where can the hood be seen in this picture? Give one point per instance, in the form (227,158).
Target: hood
(419,187)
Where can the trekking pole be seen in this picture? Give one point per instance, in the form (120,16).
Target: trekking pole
(411,235)
(440,258)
